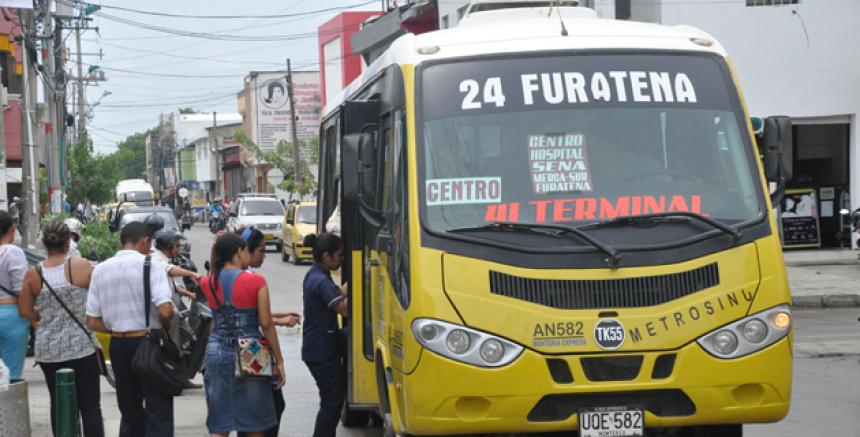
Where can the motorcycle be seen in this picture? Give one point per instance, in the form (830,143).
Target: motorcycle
(187,220)
(195,320)
(216,222)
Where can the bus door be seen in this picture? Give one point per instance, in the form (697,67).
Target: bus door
(360,261)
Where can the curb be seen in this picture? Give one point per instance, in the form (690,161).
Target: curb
(826,301)
(822,262)
(818,263)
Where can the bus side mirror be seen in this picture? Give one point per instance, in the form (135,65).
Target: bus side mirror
(778,149)
(349,160)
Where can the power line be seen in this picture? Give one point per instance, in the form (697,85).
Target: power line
(235,17)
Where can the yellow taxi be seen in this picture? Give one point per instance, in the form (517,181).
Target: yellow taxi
(300,220)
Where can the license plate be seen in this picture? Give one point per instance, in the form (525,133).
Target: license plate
(611,422)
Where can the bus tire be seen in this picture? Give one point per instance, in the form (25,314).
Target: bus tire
(716,431)
(353,418)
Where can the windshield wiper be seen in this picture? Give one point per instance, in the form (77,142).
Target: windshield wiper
(547,229)
(665,217)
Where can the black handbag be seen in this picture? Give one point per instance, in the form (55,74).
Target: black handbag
(157,361)
(100,353)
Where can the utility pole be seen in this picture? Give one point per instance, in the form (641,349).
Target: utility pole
(82,115)
(51,95)
(5,201)
(297,159)
(31,192)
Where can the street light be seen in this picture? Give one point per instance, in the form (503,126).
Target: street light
(90,108)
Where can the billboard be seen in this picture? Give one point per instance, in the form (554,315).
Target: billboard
(271,107)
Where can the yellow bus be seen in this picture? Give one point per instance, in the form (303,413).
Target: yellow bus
(558,223)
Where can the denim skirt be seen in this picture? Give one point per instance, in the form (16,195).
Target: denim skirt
(234,404)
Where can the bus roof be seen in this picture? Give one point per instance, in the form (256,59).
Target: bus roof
(531,30)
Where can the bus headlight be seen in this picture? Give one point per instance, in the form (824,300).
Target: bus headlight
(464,344)
(492,350)
(458,341)
(748,335)
(755,331)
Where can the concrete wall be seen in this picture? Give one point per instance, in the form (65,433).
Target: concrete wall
(784,69)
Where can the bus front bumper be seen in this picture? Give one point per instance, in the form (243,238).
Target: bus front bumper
(446,397)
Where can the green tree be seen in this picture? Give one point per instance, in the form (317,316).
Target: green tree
(282,159)
(90,175)
(187,110)
(129,159)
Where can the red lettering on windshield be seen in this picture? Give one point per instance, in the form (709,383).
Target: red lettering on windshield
(620,208)
(590,208)
(540,210)
(559,210)
(585,208)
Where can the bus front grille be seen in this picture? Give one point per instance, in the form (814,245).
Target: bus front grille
(602,369)
(559,370)
(605,293)
(661,403)
(663,366)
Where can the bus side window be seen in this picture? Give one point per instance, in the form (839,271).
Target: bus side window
(397,208)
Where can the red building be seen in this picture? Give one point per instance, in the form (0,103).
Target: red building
(12,70)
(338,65)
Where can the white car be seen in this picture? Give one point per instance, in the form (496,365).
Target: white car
(262,211)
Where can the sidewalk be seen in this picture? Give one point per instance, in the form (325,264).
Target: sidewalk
(824,278)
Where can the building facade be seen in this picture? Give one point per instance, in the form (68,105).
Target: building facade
(11,71)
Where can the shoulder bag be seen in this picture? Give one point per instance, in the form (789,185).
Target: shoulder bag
(254,357)
(157,361)
(100,353)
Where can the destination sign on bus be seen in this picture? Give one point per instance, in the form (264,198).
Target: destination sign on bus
(576,80)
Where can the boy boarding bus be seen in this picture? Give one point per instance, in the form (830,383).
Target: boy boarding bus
(558,223)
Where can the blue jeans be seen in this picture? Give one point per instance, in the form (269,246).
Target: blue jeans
(13,339)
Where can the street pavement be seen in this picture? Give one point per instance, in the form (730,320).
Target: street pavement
(826,369)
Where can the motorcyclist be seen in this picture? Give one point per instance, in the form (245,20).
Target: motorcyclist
(168,243)
(215,209)
(155,224)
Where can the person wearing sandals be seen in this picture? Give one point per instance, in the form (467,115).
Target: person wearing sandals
(54,297)
(241,309)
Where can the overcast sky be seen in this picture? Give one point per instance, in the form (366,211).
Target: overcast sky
(135,57)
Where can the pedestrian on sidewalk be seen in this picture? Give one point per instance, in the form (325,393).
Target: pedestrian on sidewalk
(56,304)
(237,403)
(257,247)
(321,342)
(14,329)
(115,305)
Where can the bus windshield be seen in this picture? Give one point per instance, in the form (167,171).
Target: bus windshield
(583,138)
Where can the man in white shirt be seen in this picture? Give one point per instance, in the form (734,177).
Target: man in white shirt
(115,305)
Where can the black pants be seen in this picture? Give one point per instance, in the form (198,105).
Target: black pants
(331,382)
(87,390)
(156,420)
(279,410)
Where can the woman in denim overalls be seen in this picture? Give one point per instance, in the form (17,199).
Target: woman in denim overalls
(237,404)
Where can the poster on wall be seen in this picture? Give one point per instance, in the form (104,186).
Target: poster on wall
(271,121)
(799,219)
